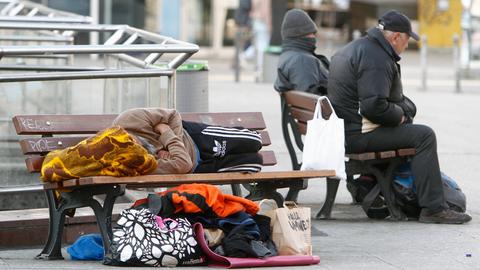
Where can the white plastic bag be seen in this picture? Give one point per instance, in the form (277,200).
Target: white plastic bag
(324,144)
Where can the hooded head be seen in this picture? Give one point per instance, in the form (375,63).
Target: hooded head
(297,23)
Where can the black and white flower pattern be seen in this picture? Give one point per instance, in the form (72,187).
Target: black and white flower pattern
(139,240)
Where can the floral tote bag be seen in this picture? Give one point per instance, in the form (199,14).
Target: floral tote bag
(143,239)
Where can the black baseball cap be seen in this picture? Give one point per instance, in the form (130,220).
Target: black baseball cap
(397,22)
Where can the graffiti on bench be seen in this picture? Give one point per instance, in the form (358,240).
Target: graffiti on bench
(33,124)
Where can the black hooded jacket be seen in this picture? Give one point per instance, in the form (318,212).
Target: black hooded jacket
(299,68)
(364,85)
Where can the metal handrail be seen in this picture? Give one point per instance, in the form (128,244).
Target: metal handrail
(56,38)
(61,26)
(82,75)
(94,49)
(168,44)
(22,10)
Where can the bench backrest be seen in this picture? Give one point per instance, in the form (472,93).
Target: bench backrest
(52,132)
(297,108)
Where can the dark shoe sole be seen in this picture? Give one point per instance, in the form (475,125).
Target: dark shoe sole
(442,221)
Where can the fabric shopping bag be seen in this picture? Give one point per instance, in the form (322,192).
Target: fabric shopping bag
(142,239)
(291,230)
(324,144)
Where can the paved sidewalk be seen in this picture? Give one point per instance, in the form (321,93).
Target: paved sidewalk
(352,241)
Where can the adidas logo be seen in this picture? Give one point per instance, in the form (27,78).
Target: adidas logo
(219,148)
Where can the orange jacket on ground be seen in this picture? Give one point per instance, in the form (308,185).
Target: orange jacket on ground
(201,198)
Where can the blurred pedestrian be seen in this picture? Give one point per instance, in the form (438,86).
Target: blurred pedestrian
(243,24)
(261,16)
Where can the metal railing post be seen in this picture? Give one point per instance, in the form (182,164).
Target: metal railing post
(456,62)
(423,61)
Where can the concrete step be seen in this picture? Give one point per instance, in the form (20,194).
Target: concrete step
(16,185)
(15,174)
(22,228)
(10,149)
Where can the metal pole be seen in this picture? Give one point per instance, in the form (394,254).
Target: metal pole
(456,62)
(236,60)
(95,15)
(107,15)
(423,62)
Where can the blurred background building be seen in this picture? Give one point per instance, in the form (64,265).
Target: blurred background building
(210,24)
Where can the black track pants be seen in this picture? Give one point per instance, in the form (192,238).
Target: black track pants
(225,149)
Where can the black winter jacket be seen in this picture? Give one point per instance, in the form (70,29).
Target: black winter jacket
(364,85)
(299,68)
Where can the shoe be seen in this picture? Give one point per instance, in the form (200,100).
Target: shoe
(446,216)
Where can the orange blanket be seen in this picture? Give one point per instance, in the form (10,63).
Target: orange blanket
(110,152)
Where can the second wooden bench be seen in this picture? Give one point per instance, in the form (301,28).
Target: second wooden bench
(297,108)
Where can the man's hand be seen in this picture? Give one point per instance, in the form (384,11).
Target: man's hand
(161,128)
(403,119)
(162,154)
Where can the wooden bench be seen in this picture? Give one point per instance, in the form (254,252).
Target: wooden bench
(60,131)
(297,108)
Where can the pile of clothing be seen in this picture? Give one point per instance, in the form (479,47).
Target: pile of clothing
(195,224)
(231,224)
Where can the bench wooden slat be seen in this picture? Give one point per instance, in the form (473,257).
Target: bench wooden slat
(208,178)
(52,185)
(269,158)
(302,128)
(47,144)
(406,152)
(250,120)
(34,163)
(301,115)
(382,155)
(61,124)
(362,156)
(301,100)
(386,154)
(87,124)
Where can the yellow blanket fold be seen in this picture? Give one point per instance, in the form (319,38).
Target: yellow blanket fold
(110,152)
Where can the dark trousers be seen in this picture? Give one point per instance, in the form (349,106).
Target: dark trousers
(425,167)
(225,149)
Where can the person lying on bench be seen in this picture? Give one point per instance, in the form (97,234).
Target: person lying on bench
(190,147)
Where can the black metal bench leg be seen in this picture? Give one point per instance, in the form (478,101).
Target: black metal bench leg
(52,249)
(103,214)
(385,180)
(118,191)
(326,211)
(100,216)
(236,190)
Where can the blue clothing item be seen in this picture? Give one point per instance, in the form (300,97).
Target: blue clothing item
(88,247)
(229,223)
(197,154)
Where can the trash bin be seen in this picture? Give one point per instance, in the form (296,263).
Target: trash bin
(270,63)
(192,87)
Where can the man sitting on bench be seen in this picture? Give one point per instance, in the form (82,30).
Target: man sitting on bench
(365,89)
(186,147)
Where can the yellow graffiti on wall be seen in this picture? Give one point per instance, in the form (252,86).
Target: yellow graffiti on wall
(440,20)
